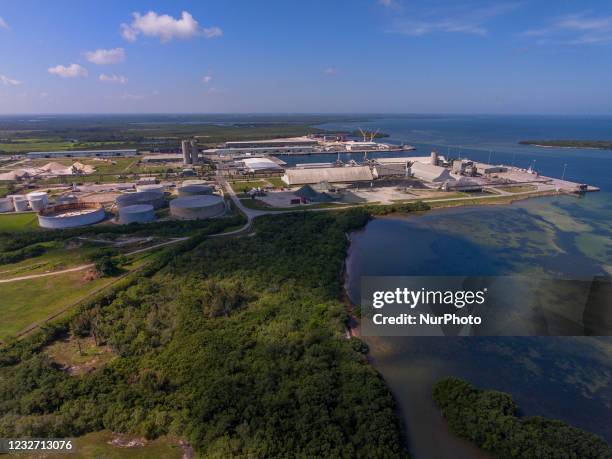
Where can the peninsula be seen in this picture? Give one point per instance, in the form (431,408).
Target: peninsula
(599,144)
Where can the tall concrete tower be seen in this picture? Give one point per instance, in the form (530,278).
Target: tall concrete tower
(186,147)
(194,152)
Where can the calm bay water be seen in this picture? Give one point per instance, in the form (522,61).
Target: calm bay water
(568,378)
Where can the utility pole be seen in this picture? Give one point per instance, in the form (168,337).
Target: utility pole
(563,175)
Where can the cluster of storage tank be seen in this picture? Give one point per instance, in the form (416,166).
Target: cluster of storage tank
(196,200)
(36,200)
(139,207)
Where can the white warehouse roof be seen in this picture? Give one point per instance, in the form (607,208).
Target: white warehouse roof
(327,174)
(429,172)
(258,164)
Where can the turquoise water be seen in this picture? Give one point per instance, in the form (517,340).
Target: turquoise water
(568,378)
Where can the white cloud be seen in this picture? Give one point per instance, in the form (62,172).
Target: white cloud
(166,27)
(129,33)
(452,20)
(386,3)
(106,56)
(3,24)
(212,32)
(118,79)
(574,29)
(6,81)
(206,79)
(331,71)
(72,71)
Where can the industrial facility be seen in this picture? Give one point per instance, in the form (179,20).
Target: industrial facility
(327,174)
(63,216)
(197,207)
(190,152)
(347,180)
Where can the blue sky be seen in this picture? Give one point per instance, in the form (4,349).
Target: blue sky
(402,56)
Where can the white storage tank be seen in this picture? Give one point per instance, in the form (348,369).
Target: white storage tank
(6,205)
(200,206)
(194,189)
(38,199)
(37,204)
(151,187)
(138,213)
(20,203)
(154,198)
(70,215)
(194,182)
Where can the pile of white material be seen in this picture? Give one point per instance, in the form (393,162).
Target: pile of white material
(48,170)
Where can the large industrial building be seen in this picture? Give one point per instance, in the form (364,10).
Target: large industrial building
(260,165)
(81,153)
(327,174)
(429,172)
(483,168)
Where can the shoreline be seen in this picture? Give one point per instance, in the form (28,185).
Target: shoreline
(353,324)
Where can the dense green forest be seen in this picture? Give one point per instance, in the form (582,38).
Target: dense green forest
(490,419)
(148,132)
(235,343)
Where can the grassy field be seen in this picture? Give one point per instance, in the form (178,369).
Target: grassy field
(487,201)
(277,182)
(241,187)
(18,221)
(57,257)
(98,445)
(79,355)
(257,204)
(30,301)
